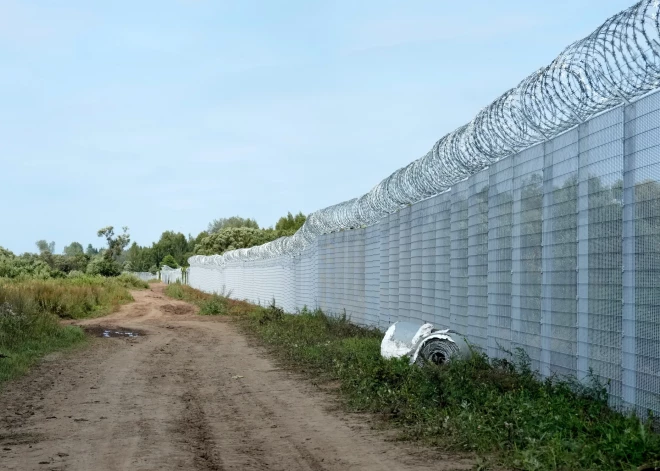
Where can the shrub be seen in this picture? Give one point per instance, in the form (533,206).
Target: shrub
(131,281)
(29,311)
(103,266)
(169,261)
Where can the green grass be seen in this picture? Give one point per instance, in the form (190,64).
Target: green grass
(30,313)
(209,304)
(499,410)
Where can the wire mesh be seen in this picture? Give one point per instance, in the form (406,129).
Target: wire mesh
(619,61)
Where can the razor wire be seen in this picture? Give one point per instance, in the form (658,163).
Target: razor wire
(616,63)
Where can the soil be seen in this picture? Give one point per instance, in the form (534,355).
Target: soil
(185,392)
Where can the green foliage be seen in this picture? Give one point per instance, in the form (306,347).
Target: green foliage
(170,243)
(71,298)
(169,261)
(209,304)
(74,249)
(30,312)
(290,223)
(103,266)
(5,253)
(25,266)
(235,238)
(498,409)
(68,263)
(116,244)
(91,251)
(218,225)
(44,246)
(131,281)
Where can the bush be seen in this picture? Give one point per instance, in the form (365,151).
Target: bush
(103,266)
(169,261)
(29,312)
(25,266)
(70,298)
(131,281)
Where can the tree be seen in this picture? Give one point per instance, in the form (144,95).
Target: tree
(6,253)
(103,266)
(290,223)
(74,249)
(235,221)
(91,251)
(235,238)
(174,244)
(169,261)
(116,244)
(44,246)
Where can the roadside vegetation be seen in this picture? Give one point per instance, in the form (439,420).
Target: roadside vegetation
(31,310)
(38,290)
(499,410)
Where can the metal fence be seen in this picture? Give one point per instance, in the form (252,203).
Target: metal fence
(144,275)
(173,275)
(553,248)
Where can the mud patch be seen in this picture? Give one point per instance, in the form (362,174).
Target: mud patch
(113,332)
(177,309)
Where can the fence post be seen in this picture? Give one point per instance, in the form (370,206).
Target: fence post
(628,341)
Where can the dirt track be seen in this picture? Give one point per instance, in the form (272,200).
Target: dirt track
(190,394)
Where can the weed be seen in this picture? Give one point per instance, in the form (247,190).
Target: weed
(500,410)
(30,312)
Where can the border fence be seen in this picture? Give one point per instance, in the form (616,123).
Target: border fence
(535,226)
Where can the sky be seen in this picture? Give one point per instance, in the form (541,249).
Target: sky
(166,115)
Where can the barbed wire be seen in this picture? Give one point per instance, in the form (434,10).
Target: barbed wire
(616,63)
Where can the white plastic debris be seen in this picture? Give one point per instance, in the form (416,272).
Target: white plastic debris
(421,342)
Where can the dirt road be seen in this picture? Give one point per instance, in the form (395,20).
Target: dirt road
(188,393)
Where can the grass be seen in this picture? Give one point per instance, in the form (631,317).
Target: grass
(209,304)
(30,313)
(497,409)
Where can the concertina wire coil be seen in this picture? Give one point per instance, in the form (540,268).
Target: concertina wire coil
(617,62)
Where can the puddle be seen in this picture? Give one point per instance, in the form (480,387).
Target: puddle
(113,332)
(119,333)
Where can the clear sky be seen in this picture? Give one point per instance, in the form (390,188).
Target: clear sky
(165,115)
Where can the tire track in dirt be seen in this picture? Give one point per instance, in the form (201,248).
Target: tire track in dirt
(190,394)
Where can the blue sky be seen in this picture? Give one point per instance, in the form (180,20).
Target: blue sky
(165,115)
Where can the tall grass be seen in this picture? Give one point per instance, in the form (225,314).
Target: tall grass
(30,313)
(502,411)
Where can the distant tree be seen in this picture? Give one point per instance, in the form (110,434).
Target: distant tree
(44,246)
(174,244)
(235,238)
(290,223)
(235,221)
(69,263)
(116,244)
(6,253)
(169,261)
(104,266)
(74,249)
(128,266)
(91,251)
